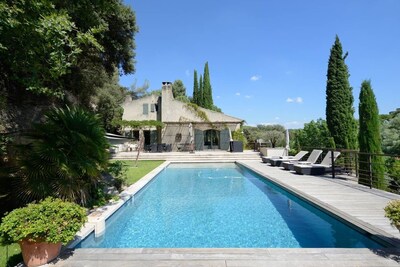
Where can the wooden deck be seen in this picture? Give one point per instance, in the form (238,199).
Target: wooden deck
(359,205)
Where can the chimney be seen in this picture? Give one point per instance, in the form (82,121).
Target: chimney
(166,100)
(166,85)
(166,92)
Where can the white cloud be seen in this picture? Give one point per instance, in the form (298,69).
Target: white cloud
(218,97)
(277,118)
(187,72)
(295,100)
(255,77)
(247,96)
(238,94)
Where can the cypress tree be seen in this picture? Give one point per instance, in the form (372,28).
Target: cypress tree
(207,90)
(339,100)
(195,89)
(201,93)
(369,139)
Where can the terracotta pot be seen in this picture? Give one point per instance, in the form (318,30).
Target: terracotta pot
(38,253)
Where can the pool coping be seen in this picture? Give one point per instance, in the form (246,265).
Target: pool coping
(229,257)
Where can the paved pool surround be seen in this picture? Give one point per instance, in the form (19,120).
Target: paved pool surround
(334,195)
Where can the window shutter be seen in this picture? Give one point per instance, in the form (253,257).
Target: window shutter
(145,109)
(199,139)
(224,140)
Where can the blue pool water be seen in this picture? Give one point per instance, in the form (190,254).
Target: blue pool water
(221,206)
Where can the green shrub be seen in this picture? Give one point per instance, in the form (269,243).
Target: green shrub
(98,196)
(393,170)
(239,136)
(118,170)
(64,157)
(51,220)
(4,143)
(392,211)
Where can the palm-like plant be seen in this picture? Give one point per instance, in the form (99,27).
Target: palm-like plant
(64,156)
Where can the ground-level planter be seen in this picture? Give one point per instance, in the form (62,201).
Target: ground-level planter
(40,228)
(38,253)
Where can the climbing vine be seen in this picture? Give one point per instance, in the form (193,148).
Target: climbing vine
(197,111)
(139,124)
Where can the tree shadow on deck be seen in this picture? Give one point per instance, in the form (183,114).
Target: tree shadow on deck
(388,253)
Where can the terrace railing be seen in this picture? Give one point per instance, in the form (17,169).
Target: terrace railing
(381,171)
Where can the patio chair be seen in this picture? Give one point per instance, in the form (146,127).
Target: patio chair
(318,169)
(160,147)
(310,160)
(297,157)
(168,147)
(266,159)
(153,148)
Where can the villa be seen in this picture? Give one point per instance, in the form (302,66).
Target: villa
(186,126)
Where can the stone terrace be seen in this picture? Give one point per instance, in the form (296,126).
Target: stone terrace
(208,155)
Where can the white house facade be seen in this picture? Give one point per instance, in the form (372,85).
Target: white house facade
(186,126)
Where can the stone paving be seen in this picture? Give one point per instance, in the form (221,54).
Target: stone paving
(229,257)
(354,203)
(208,155)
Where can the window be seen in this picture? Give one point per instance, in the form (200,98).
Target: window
(145,109)
(211,138)
(152,107)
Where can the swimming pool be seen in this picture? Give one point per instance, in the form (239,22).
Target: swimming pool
(221,206)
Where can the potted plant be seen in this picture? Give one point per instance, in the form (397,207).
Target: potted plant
(392,211)
(41,228)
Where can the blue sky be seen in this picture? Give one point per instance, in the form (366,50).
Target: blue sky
(268,58)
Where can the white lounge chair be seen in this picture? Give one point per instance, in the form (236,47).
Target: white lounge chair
(310,160)
(266,159)
(318,169)
(297,157)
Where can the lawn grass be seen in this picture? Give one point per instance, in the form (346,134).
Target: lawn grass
(11,257)
(144,167)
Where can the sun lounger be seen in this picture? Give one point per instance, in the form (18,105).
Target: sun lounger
(310,160)
(297,157)
(266,159)
(318,169)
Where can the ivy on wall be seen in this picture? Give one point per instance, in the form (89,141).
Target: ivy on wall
(139,124)
(197,111)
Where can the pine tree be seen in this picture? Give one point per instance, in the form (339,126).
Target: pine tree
(201,93)
(369,138)
(196,88)
(207,90)
(339,100)
(178,89)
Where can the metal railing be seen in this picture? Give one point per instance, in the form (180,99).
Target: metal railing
(381,171)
